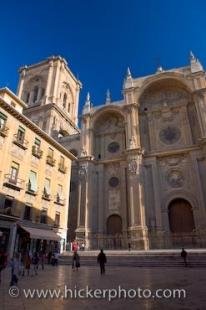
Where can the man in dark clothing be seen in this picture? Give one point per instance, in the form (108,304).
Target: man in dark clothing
(101,259)
(184,256)
(3,260)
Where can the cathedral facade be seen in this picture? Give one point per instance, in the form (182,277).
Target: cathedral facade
(140,174)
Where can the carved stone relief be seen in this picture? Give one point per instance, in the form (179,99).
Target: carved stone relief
(114,199)
(132,166)
(175,178)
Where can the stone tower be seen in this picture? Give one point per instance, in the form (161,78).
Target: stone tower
(52,93)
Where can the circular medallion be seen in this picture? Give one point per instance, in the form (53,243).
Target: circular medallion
(114,181)
(113,147)
(175,178)
(169,135)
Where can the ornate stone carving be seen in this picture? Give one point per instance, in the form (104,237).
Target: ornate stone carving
(170,134)
(110,124)
(83,170)
(132,142)
(83,153)
(113,181)
(132,166)
(175,178)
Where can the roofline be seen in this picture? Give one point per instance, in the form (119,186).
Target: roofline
(14,96)
(36,129)
(47,61)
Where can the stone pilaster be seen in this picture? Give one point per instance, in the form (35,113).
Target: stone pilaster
(49,80)
(137,230)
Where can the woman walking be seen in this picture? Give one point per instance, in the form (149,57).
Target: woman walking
(75,261)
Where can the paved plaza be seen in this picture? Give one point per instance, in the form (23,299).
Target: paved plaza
(192,280)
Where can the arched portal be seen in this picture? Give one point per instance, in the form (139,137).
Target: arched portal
(114,225)
(181,218)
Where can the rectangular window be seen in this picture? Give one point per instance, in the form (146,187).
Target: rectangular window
(50,153)
(59,193)
(14,172)
(32,185)
(47,186)
(20,135)
(27,213)
(37,142)
(3,119)
(61,161)
(43,217)
(57,219)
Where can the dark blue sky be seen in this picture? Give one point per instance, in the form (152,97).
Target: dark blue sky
(100,39)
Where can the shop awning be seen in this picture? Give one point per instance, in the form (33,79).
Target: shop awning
(43,234)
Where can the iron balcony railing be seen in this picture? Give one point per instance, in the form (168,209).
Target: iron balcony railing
(59,200)
(62,168)
(3,130)
(50,161)
(13,182)
(36,151)
(21,142)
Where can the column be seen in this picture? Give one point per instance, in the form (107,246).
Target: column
(200,103)
(12,239)
(138,229)
(49,80)
(57,73)
(76,104)
(21,84)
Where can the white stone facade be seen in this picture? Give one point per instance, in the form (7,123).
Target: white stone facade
(141,170)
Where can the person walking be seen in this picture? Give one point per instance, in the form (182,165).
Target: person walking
(14,264)
(27,263)
(184,256)
(75,261)
(3,260)
(35,262)
(42,259)
(101,259)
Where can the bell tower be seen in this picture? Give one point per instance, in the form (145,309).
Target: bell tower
(51,92)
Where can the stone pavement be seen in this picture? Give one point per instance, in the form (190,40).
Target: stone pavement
(193,280)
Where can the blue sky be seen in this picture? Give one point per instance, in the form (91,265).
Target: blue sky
(100,39)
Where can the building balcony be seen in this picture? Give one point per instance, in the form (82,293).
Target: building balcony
(36,151)
(59,200)
(21,142)
(50,161)
(4,131)
(13,183)
(62,168)
(46,196)
(30,190)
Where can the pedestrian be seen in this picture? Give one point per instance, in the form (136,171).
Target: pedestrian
(42,259)
(27,263)
(184,256)
(56,258)
(35,262)
(101,259)
(3,261)
(14,264)
(49,256)
(129,246)
(75,261)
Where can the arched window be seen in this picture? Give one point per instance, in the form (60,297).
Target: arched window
(35,93)
(65,101)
